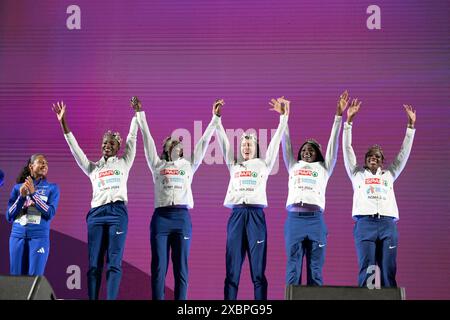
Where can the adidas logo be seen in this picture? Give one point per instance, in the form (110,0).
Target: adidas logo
(41,250)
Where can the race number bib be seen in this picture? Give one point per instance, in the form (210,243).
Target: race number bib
(33,216)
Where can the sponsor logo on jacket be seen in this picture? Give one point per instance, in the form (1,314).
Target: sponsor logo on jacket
(373,181)
(246,173)
(108,173)
(305,172)
(172,172)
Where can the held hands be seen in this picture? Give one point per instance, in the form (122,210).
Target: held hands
(136,104)
(280,105)
(342,103)
(60,110)
(353,109)
(411,113)
(217,107)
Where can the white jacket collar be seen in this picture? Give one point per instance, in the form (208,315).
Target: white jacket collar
(110,159)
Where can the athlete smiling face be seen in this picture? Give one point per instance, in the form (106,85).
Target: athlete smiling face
(308,153)
(110,145)
(374,159)
(38,166)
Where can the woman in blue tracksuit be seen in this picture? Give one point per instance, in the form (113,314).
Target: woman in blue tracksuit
(305,231)
(107,220)
(170,227)
(31,207)
(246,196)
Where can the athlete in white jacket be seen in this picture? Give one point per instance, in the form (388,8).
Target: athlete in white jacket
(246,195)
(108,218)
(374,206)
(171,225)
(305,231)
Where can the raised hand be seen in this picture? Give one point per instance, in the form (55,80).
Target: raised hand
(280,105)
(60,110)
(286,105)
(342,103)
(217,107)
(353,109)
(411,113)
(136,104)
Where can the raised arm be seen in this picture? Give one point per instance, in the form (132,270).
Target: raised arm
(83,162)
(130,146)
(202,145)
(400,160)
(272,150)
(60,110)
(349,155)
(222,136)
(333,142)
(288,152)
(151,154)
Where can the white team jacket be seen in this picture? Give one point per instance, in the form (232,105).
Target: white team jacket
(248,179)
(173,179)
(308,181)
(374,193)
(109,178)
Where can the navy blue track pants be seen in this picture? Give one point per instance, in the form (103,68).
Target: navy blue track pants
(170,230)
(107,231)
(376,242)
(305,234)
(246,234)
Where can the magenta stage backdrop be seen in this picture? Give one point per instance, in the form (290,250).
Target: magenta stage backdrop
(179,56)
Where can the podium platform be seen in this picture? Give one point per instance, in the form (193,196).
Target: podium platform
(298,292)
